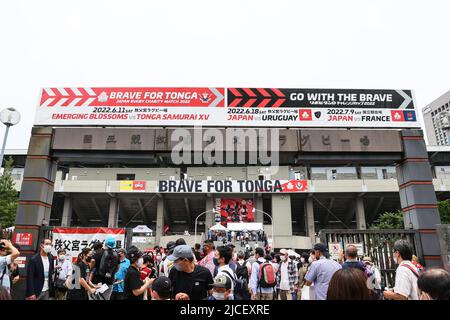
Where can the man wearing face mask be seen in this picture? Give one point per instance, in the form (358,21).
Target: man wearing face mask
(207,261)
(40,273)
(118,286)
(189,281)
(321,271)
(134,287)
(406,274)
(63,271)
(287,276)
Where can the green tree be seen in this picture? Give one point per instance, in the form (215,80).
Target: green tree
(8,196)
(444,211)
(389,220)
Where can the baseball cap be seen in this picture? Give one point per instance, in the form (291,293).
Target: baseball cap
(221,281)
(110,242)
(181,252)
(162,286)
(283,251)
(122,250)
(320,247)
(170,245)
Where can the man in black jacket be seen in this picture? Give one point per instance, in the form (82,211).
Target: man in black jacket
(39,273)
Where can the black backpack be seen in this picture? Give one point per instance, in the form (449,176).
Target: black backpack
(240,290)
(242,271)
(109,264)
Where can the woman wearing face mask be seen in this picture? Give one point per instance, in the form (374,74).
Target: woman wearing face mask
(63,270)
(80,288)
(134,286)
(306,292)
(158,259)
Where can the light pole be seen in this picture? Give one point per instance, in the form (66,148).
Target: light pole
(195,228)
(9,117)
(271,222)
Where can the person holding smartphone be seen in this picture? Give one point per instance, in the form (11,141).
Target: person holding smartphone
(8,253)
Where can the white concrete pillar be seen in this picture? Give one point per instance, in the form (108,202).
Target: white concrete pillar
(360,214)
(259,216)
(67,212)
(159,220)
(309,216)
(281,215)
(113,217)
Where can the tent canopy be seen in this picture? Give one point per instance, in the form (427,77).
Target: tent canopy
(248,226)
(293,253)
(142,229)
(218,227)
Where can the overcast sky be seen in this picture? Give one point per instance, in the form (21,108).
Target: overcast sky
(252,43)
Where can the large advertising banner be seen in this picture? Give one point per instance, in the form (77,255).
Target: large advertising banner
(128,106)
(235,210)
(73,240)
(231,186)
(321,108)
(232,107)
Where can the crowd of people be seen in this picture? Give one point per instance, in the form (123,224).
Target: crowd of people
(205,272)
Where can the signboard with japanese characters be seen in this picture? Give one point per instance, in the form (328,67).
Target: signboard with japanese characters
(73,240)
(227,107)
(23,238)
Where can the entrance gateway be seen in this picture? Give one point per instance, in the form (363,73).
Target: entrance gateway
(99,127)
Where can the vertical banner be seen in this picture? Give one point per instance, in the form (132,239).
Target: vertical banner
(73,240)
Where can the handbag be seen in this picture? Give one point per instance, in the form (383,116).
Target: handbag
(61,285)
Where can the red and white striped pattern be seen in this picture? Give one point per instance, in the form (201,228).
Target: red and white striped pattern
(67,97)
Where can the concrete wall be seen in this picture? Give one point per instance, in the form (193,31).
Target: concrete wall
(111,173)
(217,173)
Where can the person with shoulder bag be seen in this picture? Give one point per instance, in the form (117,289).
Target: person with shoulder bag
(63,269)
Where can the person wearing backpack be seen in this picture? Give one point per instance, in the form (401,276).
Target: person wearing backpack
(109,265)
(242,267)
(351,261)
(221,260)
(262,279)
(406,274)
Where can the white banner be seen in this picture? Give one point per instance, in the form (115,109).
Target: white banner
(249,226)
(73,240)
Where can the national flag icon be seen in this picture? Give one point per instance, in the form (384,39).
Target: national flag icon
(409,115)
(305,114)
(397,115)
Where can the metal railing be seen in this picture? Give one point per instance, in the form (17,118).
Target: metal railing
(377,244)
